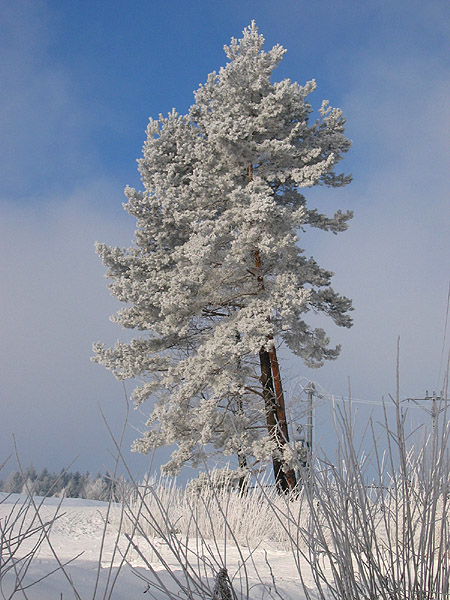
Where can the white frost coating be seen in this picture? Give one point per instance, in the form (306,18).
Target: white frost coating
(190,281)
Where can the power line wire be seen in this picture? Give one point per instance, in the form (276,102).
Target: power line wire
(326,395)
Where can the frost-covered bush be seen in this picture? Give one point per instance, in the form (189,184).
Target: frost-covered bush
(208,507)
(22,533)
(219,479)
(368,525)
(377,522)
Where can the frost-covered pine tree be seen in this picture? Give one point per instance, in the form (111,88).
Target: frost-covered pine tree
(215,278)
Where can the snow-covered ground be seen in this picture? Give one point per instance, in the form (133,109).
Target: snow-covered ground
(78,532)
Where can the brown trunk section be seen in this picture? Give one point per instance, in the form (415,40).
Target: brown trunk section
(273,394)
(281,412)
(271,419)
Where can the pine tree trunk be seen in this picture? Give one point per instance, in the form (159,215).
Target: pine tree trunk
(272,420)
(243,465)
(241,456)
(281,411)
(273,395)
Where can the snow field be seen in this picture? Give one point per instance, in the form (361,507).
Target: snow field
(78,531)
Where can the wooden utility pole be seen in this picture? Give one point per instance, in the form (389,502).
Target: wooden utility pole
(434,412)
(310,389)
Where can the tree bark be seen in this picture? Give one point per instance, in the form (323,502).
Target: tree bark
(243,480)
(272,420)
(241,456)
(281,411)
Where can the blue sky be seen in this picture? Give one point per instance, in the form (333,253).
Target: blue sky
(79,81)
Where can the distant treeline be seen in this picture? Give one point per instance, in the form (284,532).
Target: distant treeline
(70,485)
